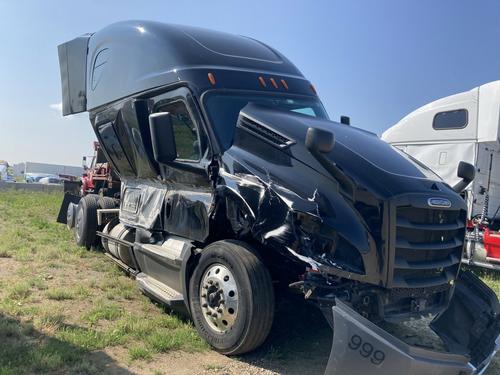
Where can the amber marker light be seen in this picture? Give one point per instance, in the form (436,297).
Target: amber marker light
(211,78)
(285,85)
(273,82)
(262,82)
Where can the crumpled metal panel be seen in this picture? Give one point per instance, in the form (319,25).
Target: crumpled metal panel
(469,328)
(141,204)
(266,200)
(179,210)
(476,310)
(361,347)
(187,213)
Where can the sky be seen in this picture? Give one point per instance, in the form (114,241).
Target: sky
(373,60)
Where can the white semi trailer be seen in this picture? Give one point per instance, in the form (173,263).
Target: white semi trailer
(462,127)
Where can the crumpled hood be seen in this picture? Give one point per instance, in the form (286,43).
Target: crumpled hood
(370,162)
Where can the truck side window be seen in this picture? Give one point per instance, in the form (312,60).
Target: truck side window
(187,139)
(456,119)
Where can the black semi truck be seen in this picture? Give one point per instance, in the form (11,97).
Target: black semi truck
(234,180)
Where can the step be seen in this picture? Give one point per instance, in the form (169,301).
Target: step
(171,251)
(160,291)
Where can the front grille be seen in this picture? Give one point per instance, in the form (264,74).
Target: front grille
(428,246)
(398,293)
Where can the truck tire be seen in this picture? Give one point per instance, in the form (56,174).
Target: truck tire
(86,221)
(70,215)
(106,203)
(231,298)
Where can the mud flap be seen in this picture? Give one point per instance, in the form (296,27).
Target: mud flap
(63,210)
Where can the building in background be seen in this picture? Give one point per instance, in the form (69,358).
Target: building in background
(45,169)
(4,167)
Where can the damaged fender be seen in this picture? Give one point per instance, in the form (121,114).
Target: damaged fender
(469,327)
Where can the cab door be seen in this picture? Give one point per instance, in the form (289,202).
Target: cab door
(189,194)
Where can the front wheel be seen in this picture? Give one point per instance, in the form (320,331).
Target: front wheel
(231,298)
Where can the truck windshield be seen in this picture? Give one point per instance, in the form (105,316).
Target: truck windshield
(223,110)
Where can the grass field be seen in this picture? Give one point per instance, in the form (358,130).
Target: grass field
(63,309)
(59,302)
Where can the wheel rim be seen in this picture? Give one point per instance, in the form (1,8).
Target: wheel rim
(79,223)
(219,298)
(69,216)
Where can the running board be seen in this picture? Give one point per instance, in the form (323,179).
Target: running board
(161,292)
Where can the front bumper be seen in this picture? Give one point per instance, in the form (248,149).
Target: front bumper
(469,327)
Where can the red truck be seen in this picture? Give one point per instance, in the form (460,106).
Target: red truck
(99,178)
(99,182)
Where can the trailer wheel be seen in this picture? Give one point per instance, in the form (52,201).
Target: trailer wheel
(86,221)
(106,202)
(231,298)
(70,215)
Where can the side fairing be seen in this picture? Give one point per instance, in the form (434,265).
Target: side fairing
(131,57)
(123,133)
(72,63)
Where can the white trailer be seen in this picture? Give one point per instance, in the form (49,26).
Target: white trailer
(462,127)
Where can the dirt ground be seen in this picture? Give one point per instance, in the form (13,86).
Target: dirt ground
(292,348)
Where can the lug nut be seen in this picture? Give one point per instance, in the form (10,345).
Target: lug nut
(204,295)
(204,305)
(214,315)
(219,311)
(210,282)
(205,286)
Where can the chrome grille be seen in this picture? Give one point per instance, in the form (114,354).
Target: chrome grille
(428,246)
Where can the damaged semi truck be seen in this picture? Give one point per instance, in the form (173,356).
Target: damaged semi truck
(233,179)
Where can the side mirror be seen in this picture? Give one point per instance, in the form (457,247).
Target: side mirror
(346,120)
(84,163)
(162,137)
(466,172)
(319,140)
